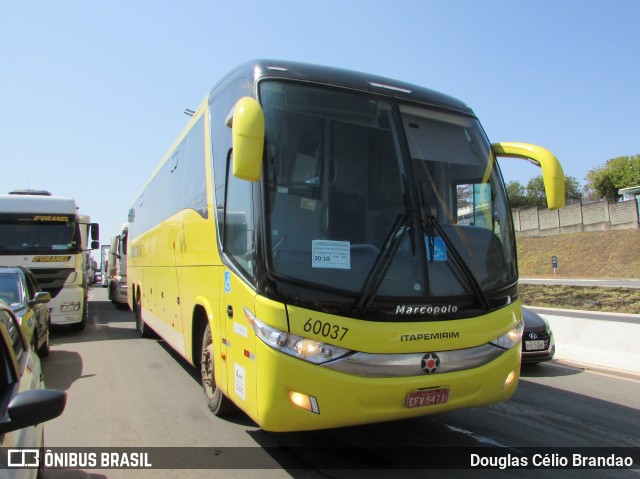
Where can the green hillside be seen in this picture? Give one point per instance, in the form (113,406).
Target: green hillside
(603,254)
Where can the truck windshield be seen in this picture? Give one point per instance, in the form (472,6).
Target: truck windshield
(383,201)
(35,234)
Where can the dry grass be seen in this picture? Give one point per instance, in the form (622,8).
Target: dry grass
(596,255)
(612,300)
(601,254)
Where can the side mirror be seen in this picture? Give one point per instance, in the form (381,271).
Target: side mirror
(552,173)
(95,245)
(95,231)
(29,408)
(42,297)
(247,123)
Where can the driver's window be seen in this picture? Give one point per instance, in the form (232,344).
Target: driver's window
(239,230)
(474,205)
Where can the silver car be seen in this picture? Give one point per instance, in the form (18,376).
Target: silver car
(24,403)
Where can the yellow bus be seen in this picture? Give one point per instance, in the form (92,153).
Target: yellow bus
(300,245)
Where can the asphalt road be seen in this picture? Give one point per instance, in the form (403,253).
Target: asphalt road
(125,391)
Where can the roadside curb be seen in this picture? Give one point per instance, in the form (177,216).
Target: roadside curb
(598,369)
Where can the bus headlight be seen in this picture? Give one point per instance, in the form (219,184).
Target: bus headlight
(511,337)
(299,347)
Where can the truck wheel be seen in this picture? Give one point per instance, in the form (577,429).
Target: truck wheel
(85,315)
(78,326)
(218,403)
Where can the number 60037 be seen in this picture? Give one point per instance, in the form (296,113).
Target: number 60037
(325,329)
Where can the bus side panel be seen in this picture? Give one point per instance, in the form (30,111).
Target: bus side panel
(166,294)
(240,341)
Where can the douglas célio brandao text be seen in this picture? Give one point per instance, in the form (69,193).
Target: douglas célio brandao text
(551,460)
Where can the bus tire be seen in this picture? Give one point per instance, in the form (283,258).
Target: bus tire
(218,403)
(143,330)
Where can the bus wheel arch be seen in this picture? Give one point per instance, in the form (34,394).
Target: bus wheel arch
(203,355)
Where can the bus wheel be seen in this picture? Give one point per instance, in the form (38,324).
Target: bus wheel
(218,403)
(141,326)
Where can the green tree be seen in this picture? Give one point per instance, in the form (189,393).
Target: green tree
(516,194)
(534,194)
(572,190)
(535,191)
(617,173)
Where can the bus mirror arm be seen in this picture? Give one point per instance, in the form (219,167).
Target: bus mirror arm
(552,173)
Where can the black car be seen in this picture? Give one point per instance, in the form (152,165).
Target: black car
(537,339)
(20,290)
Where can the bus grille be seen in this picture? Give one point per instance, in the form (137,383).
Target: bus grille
(543,335)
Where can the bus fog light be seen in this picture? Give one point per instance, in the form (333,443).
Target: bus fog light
(304,401)
(510,378)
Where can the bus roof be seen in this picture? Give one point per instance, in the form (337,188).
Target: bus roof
(256,70)
(37,204)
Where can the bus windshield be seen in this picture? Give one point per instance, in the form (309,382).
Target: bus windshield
(383,201)
(33,234)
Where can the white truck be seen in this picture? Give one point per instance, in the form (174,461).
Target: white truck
(47,235)
(117,268)
(104,265)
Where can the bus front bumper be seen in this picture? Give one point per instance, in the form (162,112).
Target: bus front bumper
(328,398)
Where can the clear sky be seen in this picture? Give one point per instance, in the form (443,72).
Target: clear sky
(92,93)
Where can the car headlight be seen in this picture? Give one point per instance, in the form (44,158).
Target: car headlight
(297,346)
(511,337)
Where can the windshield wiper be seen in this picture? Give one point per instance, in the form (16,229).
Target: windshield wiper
(383,262)
(432,223)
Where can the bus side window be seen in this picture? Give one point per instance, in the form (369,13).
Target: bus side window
(239,231)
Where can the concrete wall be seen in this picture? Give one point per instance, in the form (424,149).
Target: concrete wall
(603,343)
(577,218)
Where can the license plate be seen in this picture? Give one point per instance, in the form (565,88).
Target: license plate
(533,345)
(427,397)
